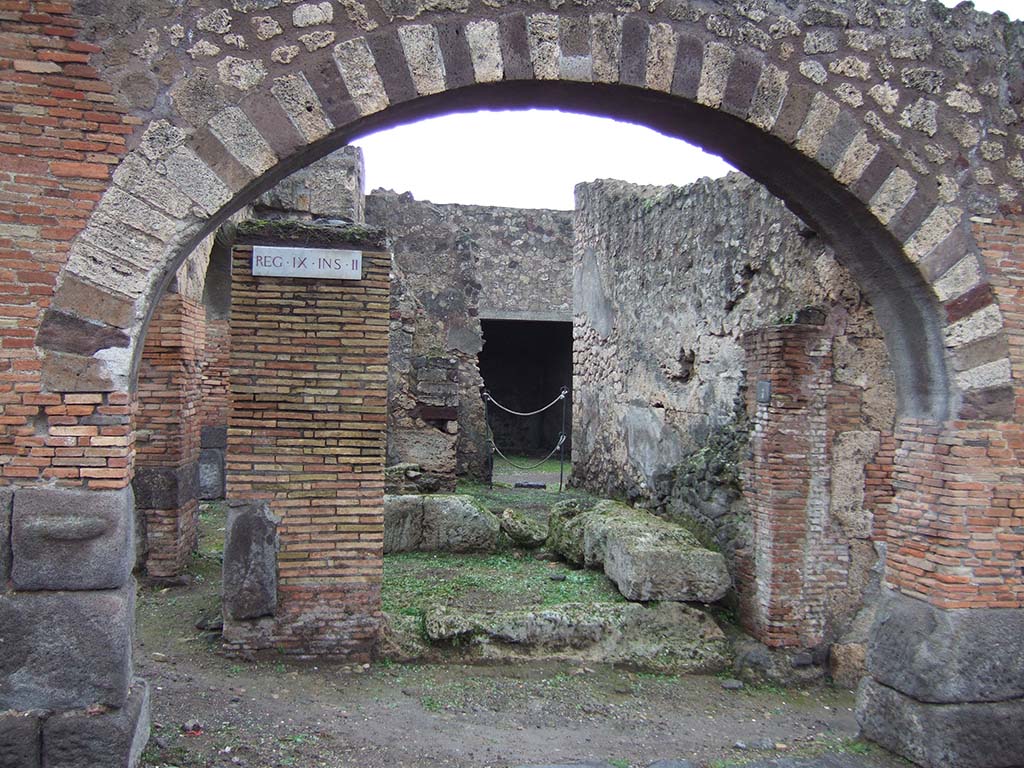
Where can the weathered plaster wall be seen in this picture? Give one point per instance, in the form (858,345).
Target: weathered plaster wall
(454,264)
(667,282)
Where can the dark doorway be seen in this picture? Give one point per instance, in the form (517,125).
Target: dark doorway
(525,364)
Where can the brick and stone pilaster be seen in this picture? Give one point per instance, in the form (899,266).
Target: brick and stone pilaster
(167,455)
(946,658)
(306,430)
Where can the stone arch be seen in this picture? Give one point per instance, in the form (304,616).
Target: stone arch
(732,82)
(891,126)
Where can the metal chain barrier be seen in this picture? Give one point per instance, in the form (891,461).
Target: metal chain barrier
(559,446)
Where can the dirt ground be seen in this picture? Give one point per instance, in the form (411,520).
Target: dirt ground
(216,712)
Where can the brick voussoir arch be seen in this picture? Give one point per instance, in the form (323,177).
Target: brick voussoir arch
(183,180)
(890,126)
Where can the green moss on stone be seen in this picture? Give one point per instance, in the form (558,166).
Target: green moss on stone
(311,234)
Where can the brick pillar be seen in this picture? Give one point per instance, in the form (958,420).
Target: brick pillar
(946,658)
(166,465)
(798,555)
(303,555)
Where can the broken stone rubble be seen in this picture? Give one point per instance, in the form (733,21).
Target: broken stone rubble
(648,558)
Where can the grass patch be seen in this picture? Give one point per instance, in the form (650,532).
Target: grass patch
(548,467)
(416,581)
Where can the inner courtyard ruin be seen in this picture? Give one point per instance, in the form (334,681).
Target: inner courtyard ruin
(828,396)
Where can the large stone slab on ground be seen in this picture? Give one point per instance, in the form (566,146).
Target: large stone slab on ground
(63,650)
(250,561)
(668,637)
(87,739)
(403,523)
(438,523)
(647,557)
(6,502)
(456,523)
(70,538)
(522,529)
(945,656)
(972,735)
(20,740)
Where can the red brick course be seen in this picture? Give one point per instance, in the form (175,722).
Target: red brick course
(215,374)
(802,558)
(955,537)
(168,424)
(61,134)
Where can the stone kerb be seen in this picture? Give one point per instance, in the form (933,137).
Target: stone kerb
(820,82)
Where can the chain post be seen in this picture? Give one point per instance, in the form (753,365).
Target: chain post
(561,441)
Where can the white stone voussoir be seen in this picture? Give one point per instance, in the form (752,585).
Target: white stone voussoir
(358,69)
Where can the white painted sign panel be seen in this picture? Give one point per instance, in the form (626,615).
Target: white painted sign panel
(324,263)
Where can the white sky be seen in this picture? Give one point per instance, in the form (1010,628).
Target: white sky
(544,153)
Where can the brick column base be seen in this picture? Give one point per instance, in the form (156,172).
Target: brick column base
(946,686)
(166,499)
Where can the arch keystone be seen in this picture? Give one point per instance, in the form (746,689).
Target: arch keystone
(193,177)
(662,45)
(986,322)
(233,129)
(937,226)
(545,52)
(137,176)
(769,94)
(855,159)
(996,373)
(958,279)
(714,74)
(819,121)
(893,196)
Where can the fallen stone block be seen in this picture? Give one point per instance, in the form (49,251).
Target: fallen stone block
(454,523)
(63,650)
(523,530)
(566,532)
(99,739)
(70,538)
(403,523)
(250,561)
(647,557)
